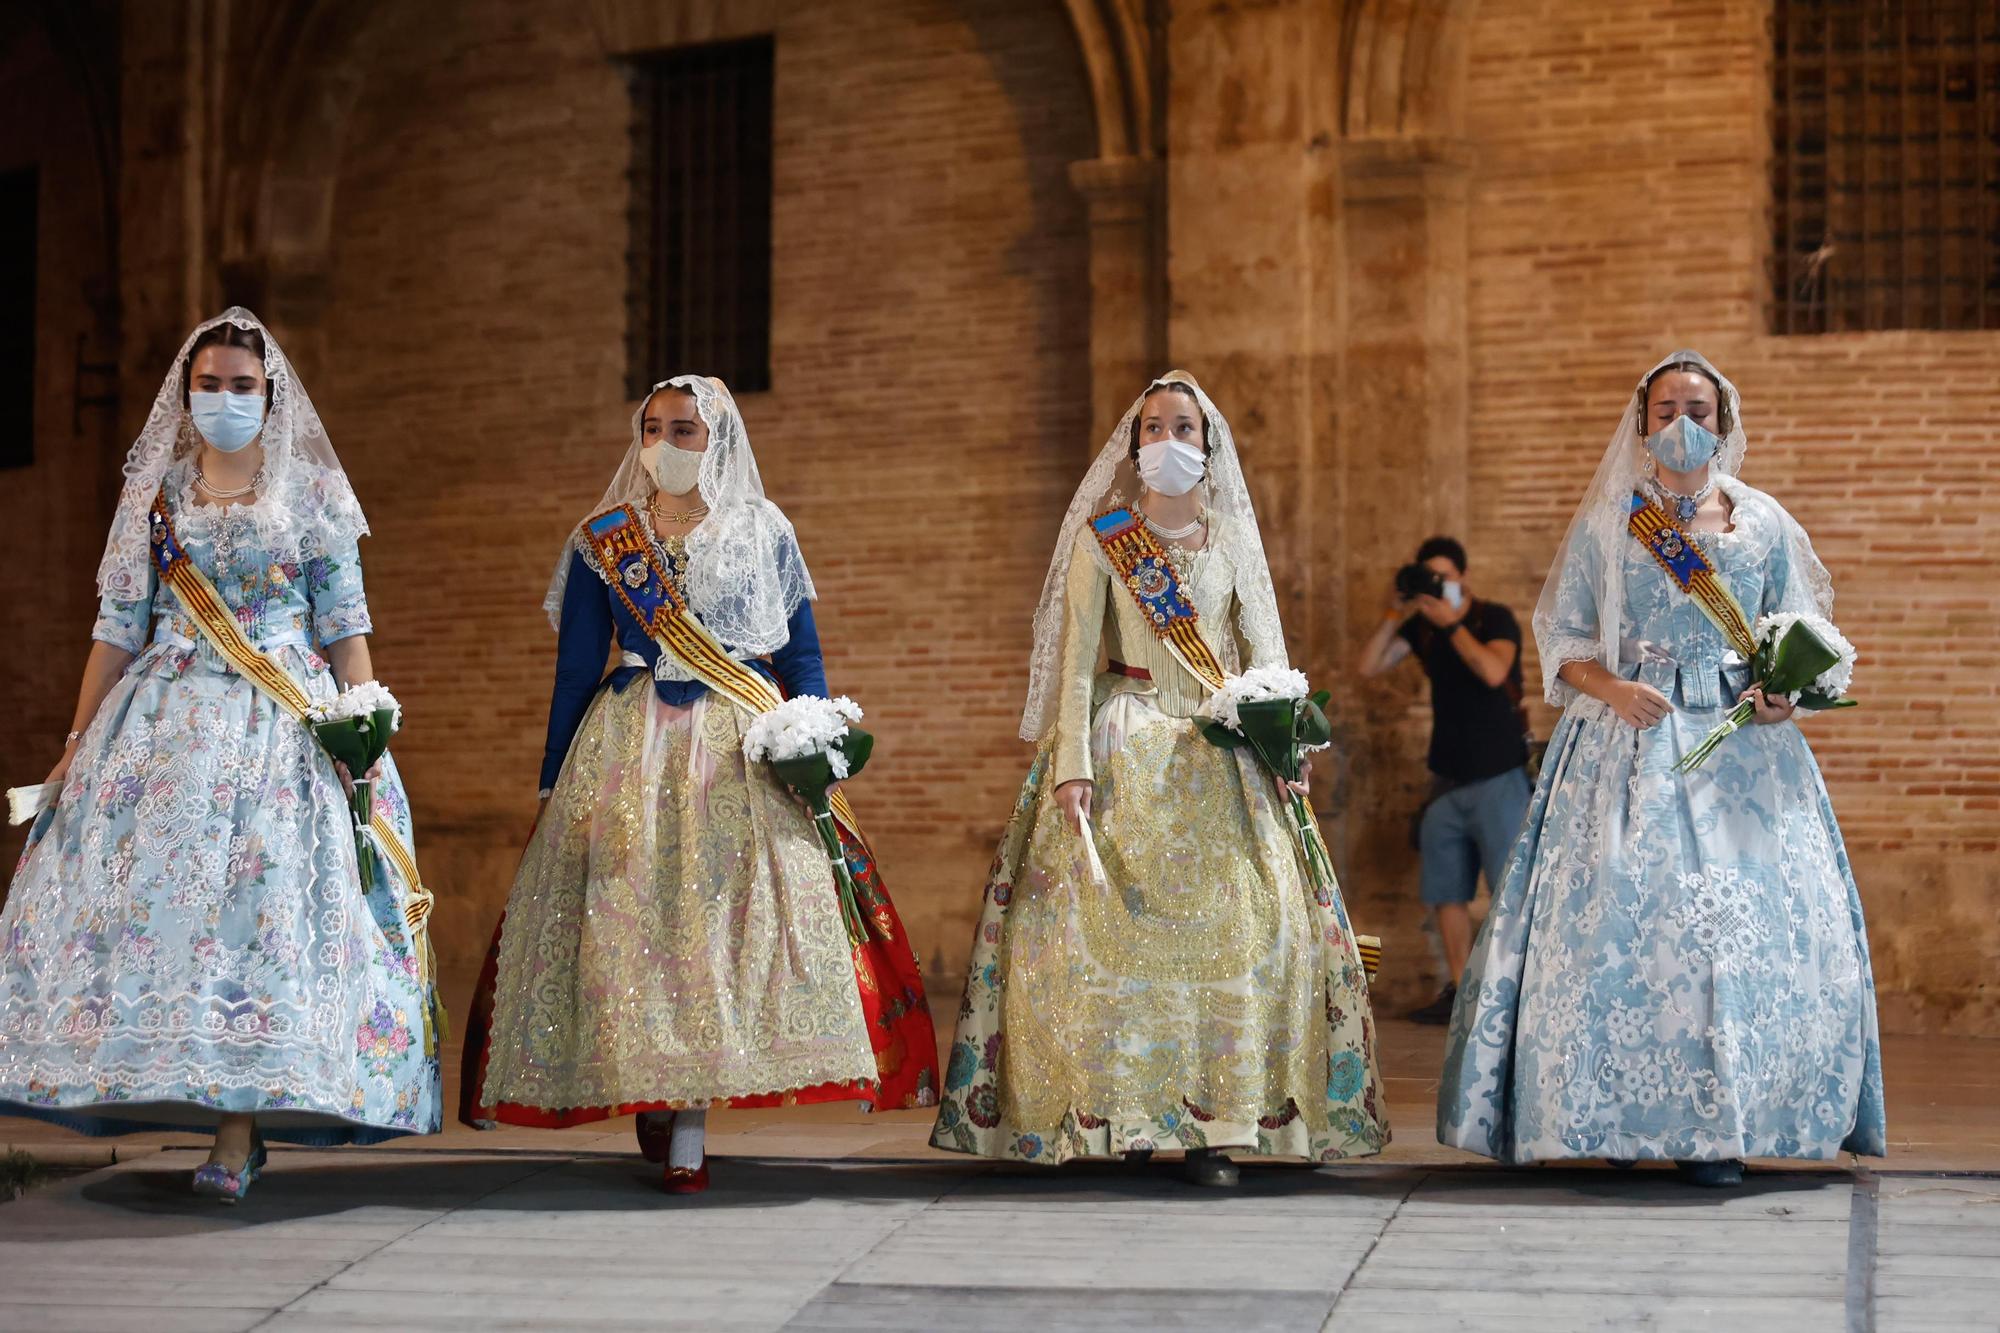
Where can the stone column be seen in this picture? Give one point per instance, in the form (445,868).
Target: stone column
(1253,275)
(1127,309)
(1403,465)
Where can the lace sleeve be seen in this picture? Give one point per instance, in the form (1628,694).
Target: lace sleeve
(1570,633)
(1083,633)
(1258,624)
(339,603)
(124,623)
(1794,579)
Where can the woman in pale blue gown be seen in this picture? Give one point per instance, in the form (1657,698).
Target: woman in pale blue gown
(187,941)
(1675,966)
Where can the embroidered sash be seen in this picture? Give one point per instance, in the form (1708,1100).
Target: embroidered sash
(218,625)
(1140,564)
(1692,573)
(633,571)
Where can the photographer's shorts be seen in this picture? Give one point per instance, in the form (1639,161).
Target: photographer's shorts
(1469,829)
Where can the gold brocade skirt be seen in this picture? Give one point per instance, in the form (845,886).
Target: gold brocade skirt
(673,934)
(1168,981)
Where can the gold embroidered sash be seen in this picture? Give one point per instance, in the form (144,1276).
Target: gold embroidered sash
(217,623)
(1146,573)
(633,571)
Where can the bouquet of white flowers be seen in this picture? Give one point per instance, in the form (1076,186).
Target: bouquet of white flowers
(1272,710)
(812,743)
(1800,657)
(355,729)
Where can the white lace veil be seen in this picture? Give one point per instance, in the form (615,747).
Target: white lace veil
(1586,585)
(1112,480)
(304,507)
(745,575)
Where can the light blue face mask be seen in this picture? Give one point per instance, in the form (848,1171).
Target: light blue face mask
(1683,445)
(227,420)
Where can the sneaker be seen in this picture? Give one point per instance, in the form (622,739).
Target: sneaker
(1438,1012)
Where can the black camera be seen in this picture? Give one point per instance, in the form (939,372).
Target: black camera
(1413,581)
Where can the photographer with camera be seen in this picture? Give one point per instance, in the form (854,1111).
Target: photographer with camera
(1471,650)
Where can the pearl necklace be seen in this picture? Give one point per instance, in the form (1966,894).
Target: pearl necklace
(1175,534)
(1682,507)
(201,479)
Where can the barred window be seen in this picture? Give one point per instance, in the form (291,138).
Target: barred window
(19,198)
(701,244)
(1885,167)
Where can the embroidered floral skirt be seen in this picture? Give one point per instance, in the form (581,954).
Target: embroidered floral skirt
(1675,967)
(1184,989)
(674,938)
(188,935)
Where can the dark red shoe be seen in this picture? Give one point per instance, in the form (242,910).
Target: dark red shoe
(682,1180)
(655,1130)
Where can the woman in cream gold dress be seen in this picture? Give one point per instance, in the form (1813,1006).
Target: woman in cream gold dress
(1153,968)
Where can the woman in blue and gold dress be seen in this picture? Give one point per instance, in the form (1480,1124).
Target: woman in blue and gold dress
(1675,966)
(674,940)
(1153,968)
(187,940)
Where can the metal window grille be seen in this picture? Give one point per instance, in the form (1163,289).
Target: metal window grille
(701,246)
(1885,170)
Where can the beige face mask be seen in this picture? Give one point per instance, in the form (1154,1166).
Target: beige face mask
(675,471)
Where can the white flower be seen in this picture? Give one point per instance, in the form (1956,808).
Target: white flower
(1255,686)
(800,726)
(1832,682)
(360,701)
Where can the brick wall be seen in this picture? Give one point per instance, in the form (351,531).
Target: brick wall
(1617,215)
(930,415)
(927,424)
(53,513)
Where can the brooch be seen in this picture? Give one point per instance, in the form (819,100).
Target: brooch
(634,573)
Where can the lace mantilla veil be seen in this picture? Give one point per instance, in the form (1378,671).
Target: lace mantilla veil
(304,506)
(1113,480)
(1586,584)
(745,575)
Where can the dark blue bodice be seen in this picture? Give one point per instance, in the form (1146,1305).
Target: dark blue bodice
(593,615)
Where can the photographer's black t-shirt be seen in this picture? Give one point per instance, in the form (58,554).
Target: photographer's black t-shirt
(1477,730)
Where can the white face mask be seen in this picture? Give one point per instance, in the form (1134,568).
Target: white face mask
(1454,593)
(675,471)
(1171,467)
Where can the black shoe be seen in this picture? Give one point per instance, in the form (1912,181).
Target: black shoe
(1438,1012)
(1206,1166)
(1712,1175)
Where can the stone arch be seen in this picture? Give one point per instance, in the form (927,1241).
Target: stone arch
(1117,56)
(1402,66)
(297,74)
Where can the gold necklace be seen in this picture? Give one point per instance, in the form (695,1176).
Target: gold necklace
(675,516)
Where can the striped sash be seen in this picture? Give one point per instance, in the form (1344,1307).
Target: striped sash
(1692,573)
(217,623)
(1140,564)
(633,571)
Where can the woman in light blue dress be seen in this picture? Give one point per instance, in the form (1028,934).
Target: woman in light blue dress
(187,940)
(1675,966)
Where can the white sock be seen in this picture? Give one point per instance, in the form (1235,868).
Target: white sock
(684,1148)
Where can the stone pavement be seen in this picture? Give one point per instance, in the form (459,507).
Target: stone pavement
(823,1218)
(406,1240)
